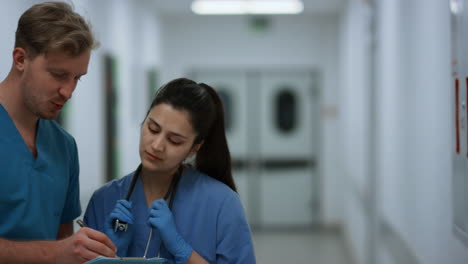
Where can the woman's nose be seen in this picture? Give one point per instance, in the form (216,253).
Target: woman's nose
(158,143)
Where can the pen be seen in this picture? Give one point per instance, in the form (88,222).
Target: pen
(80,223)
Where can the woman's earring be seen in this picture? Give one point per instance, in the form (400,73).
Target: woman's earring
(189,160)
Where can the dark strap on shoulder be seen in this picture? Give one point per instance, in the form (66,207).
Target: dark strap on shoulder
(170,192)
(173,187)
(133,183)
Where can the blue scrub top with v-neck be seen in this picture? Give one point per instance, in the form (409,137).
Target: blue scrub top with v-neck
(37,194)
(207,213)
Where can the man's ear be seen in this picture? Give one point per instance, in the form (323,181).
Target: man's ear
(195,149)
(19,57)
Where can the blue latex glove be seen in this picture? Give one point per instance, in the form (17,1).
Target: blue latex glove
(160,217)
(121,239)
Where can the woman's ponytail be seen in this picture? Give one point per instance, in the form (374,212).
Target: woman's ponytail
(214,158)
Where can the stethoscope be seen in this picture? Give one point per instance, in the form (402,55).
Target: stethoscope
(169,198)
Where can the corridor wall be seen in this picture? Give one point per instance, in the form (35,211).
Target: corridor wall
(413,129)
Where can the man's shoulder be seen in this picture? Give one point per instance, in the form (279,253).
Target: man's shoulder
(54,127)
(56,131)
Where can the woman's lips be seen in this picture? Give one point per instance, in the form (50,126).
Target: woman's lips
(152,157)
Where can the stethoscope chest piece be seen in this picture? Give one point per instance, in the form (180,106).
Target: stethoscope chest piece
(120,226)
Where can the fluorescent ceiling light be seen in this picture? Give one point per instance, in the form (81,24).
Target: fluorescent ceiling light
(242,7)
(456,6)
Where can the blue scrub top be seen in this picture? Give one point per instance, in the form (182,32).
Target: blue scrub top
(207,213)
(37,194)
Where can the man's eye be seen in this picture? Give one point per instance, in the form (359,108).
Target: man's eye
(59,76)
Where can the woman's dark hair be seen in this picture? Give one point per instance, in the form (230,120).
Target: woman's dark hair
(206,112)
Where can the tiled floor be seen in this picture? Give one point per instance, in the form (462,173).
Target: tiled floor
(300,248)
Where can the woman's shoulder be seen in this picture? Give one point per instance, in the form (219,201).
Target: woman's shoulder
(222,201)
(114,188)
(209,187)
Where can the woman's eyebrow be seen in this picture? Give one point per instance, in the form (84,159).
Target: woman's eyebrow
(153,121)
(171,132)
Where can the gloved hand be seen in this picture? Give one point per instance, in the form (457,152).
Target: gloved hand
(160,217)
(121,239)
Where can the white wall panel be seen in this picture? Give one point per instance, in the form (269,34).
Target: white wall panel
(459,107)
(241,178)
(286,199)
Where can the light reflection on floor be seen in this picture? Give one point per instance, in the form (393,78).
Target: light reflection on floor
(301,248)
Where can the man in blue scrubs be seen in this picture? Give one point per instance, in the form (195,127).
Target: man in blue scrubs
(39,189)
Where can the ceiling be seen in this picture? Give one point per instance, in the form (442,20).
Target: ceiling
(179,7)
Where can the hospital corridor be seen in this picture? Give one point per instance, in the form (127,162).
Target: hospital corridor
(346,120)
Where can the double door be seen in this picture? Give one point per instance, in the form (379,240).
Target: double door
(272,126)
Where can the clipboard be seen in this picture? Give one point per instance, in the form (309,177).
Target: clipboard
(104,260)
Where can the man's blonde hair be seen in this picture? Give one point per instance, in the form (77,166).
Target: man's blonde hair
(53,26)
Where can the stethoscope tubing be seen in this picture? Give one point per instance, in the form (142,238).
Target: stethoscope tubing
(169,195)
(170,192)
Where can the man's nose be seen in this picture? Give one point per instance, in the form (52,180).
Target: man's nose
(66,90)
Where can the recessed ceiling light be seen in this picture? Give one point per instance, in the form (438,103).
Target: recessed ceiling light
(242,7)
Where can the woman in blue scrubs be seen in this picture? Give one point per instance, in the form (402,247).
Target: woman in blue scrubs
(193,212)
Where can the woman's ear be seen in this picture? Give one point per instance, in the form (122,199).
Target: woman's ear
(195,149)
